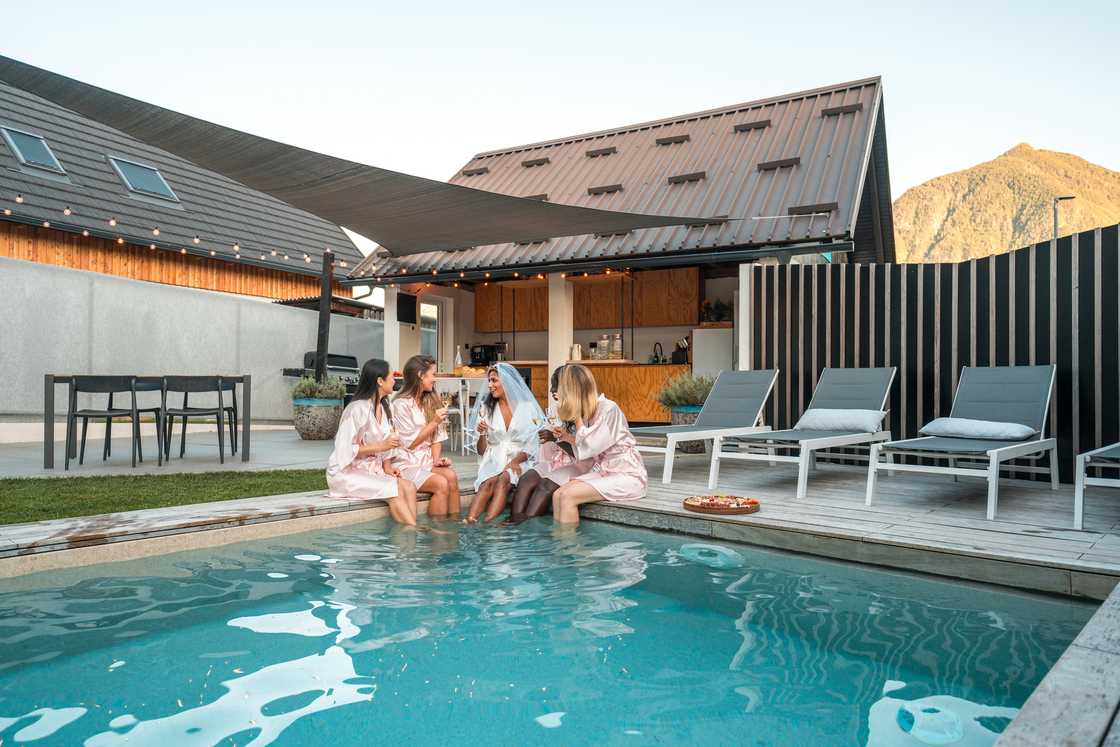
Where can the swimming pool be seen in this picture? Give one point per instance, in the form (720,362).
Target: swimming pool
(373,635)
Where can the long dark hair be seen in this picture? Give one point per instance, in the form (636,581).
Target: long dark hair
(374,369)
(489,402)
(414,368)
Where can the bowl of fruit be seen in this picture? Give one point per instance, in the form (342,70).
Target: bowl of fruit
(721,504)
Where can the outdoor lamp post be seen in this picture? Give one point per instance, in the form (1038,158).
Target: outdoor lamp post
(1056,201)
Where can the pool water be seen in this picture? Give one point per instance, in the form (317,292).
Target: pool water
(371,634)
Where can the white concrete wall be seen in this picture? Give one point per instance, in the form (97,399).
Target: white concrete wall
(57,320)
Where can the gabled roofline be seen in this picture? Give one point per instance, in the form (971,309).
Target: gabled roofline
(731,109)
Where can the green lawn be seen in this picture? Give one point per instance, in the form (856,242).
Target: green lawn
(37,499)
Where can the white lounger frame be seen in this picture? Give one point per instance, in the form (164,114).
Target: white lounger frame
(806,456)
(989,471)
(1084,462)
(710,434)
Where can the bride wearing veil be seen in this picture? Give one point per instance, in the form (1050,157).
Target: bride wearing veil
(503,424)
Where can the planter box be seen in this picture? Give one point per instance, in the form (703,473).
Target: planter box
(317,419)
(686,415)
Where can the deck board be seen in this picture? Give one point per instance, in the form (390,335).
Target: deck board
(920,513)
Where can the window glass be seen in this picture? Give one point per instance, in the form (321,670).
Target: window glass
(143,179)
(32,150)
(429,330)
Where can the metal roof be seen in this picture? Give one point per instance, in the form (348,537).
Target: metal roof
(403,213)
(788,170)
(218,210)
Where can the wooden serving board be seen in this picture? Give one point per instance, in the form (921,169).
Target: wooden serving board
(752,508)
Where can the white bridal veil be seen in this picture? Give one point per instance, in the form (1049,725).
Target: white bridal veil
(527,415)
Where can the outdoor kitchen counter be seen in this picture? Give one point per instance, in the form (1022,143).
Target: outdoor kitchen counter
(634,386)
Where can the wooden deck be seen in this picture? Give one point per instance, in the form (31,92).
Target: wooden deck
(919,522)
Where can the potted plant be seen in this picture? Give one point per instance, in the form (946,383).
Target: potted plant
(684,395)
(715,314)
(318,407)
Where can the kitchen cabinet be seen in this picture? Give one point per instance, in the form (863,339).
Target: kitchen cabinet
(646,298)
(495,307)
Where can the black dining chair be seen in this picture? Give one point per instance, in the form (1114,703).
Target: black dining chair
(101,385)
(231,415)
(143,384)
(189,385)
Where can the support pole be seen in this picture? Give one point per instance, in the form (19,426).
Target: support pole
(323,340)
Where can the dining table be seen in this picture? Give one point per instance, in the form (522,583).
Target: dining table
(143,383)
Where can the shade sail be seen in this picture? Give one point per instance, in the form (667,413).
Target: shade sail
(405,214)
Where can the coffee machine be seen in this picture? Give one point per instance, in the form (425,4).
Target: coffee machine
(488,354)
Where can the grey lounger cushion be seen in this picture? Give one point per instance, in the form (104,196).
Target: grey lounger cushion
(829,419)
(735,401)
(1110,454)
(946,445)
(986,429)
(792,436)
(1007,394)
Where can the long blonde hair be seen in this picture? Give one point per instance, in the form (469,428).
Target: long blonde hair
(414,368)
(578,395)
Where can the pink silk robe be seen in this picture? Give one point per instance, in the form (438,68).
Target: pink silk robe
(617,472)
(415,464)
(347,475)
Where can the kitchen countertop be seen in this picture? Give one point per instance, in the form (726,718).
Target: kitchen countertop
(589,362)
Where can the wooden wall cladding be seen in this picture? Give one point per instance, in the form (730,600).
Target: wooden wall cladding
(649,298)
(634,388)
(48,246)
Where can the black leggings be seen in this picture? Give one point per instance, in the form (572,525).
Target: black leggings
(533,497)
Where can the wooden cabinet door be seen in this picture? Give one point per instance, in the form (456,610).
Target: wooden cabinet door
(597,304)
(532,308)
(486,308)
(684,297)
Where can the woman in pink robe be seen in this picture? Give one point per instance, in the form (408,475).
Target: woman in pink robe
(554,467)
(602,435)
(420,421)
(365,447)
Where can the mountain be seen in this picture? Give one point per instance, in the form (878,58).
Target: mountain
(1003,204)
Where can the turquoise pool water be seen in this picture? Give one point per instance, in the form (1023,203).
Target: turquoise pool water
(372,635)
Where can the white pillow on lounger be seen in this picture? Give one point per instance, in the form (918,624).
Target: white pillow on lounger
(988,430)
(825,419)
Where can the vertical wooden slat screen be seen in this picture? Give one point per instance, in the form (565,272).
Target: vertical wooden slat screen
(1041,304)
(48,246)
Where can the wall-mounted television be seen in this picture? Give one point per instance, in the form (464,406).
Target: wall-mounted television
(407,308)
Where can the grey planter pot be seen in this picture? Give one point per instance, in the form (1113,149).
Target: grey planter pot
(686,415)
(317,419)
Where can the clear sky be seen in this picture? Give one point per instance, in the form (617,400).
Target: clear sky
(421,87)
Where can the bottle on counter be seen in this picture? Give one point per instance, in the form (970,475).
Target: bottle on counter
(458,356)
(604,347)
(616,347)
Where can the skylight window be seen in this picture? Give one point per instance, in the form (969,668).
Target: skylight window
(143,180)
(31,150)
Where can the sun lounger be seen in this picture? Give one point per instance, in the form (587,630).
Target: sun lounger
(733,407)
(987,398)
(838,390)
(1108,456)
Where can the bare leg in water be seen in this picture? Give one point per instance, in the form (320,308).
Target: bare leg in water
(402,506)
(481,500)
(501,493)
(525,487)
(538,502)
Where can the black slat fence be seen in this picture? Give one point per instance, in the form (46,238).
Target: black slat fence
(1053,302)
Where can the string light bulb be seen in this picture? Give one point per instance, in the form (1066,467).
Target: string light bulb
(113,222)
(516,275)
(66,210)
(46,224)
(285,256)
(273,252)
(262,255)
(487,274)
(236,247)
(120,240)
(181,251)
(155,231)
(608,271)
(433,272)
(213,253)
(462,274)
(153,246)
(307,258)
(85,232)
(19,199)
(197,240)
(7,211)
